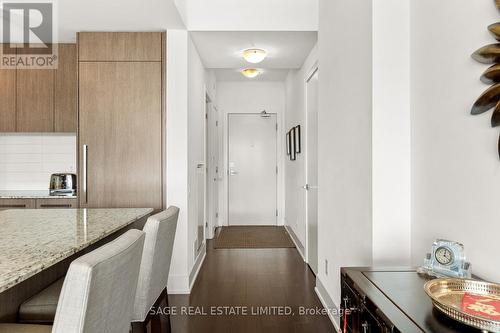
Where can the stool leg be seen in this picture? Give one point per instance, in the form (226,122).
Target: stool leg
(169,324)
(161,323)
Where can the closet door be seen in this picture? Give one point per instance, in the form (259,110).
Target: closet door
(120,134)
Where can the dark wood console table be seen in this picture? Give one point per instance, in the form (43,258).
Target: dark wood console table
(391,300)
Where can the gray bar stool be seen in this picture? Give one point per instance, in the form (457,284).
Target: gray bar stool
(151,289)
(98,290)
(155,266)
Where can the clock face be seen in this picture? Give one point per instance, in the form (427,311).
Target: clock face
(444,256)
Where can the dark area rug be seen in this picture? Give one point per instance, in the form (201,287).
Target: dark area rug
(253,237)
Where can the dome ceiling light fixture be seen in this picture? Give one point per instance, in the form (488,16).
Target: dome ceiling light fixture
(251,72)
(254,55)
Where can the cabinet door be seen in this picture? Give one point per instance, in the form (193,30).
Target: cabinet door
(119,46)
(16,204)
(56,203)
(121,127)
(66,89)
(7,99)
(35,100)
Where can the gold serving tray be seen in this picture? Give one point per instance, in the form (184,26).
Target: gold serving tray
(447,295)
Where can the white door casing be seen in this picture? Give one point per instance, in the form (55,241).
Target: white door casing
(213,167)
(311,160)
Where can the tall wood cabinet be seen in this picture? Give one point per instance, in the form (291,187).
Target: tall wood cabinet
(121,98)
(41,100)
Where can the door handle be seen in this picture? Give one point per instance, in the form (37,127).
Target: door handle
(308,187)
(233,172)
(85,168)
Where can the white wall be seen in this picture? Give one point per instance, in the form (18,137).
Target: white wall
(196,143)
(187,80)
(295,177)
(177,154)
(255,15)
(251,97)
(456,170)
(345,136)
(391,133)
(28,160)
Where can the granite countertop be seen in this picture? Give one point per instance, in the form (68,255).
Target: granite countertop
(32,194)
(33,240)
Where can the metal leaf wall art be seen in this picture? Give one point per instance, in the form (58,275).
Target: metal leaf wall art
(490,54)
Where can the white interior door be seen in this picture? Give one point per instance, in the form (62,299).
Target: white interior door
(252,169)
(312,171)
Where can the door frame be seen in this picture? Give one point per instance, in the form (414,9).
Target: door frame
(314,69)
(211,136)
(226,162)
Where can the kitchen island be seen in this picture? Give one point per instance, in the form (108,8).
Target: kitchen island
(37,246)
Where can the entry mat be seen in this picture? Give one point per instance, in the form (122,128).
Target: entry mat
(253,237)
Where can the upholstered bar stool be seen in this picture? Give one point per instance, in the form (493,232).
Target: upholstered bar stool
(152,286)
(151,289)
(98,291)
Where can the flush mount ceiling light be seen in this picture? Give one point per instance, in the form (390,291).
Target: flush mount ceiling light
(250,72)
(254,56)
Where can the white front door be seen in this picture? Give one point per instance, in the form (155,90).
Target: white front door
(312,171)
(252,169)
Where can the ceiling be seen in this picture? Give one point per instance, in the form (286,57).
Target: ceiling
(245,15)
(221,51)
(114,15)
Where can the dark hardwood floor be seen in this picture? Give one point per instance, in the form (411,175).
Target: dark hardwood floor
(250,280)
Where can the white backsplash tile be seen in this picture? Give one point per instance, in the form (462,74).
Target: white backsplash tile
(28,160)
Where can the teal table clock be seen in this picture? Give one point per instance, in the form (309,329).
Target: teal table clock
(446,260)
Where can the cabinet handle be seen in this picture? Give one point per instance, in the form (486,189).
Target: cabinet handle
(12,206)
(85,167)
(56,206)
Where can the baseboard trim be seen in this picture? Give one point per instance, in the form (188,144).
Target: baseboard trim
(327,303)
(178,285)
(197,266)
(296,241)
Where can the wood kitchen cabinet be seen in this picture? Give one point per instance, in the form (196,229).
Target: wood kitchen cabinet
(7,98)
(33,203)
(35,100)
(120,46)
(56,203)
(17,204)
(120,123)
(41,100)
(66,89)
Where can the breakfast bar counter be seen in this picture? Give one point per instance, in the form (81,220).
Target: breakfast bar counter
(37,246)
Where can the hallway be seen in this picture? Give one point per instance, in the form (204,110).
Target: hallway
(250,280)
